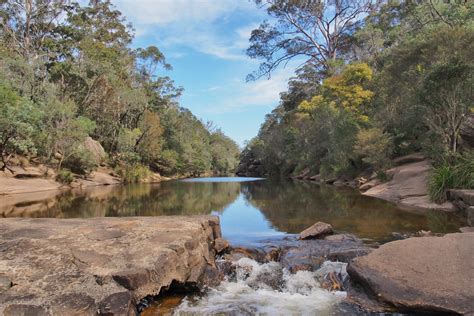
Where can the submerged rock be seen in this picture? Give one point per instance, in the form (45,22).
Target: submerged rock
(427,274)
(317,230)
(333,275)
(310,254)
(105,265)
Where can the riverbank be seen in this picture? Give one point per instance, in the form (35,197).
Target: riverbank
(102,265)
(41,178)
(406,185)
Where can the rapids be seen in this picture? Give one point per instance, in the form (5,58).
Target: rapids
(267,289)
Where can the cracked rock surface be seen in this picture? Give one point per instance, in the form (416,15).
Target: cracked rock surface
(100,265)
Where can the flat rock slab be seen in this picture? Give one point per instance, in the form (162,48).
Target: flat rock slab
(428,274)
(408,188)
(105,265)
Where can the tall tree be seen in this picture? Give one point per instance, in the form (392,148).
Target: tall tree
(313,29)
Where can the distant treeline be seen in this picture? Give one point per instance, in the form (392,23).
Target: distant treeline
(67,72)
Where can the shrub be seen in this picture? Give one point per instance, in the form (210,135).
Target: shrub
(374,147)
(455,174)
(81,161)
(132,173)
(65,176)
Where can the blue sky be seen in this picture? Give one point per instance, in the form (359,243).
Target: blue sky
(205,42)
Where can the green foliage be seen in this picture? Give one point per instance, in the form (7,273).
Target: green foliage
(80,161)
(455,174)
(65,176)
(406,67)
(441,179)
(374,147)
(64,79)
(18,124)
(132,173)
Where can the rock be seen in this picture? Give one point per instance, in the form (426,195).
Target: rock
(210,277)
(429,274)
(5,283)
(417,157)
(24,310)
(81,266)
(10,185)
(95,148)
(29,173)
(333,275)
(117,304)
(467,132)
(310,254)
(369,184)
(466,229)
(463,199)
(250,166)
(235,254)
(470,216)
(424,233)
(317,230)
(303,174)
(220,245)
(101,176)
(408,188)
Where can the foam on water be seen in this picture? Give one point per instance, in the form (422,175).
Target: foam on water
(265,289)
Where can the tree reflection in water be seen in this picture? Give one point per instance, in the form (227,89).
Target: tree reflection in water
(288,207)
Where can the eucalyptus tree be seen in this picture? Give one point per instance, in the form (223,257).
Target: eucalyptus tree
(318,31)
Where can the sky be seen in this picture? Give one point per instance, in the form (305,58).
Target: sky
(205,42)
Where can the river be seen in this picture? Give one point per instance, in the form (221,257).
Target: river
(251,211)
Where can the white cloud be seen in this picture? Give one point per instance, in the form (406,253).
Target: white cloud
(192,23)
(163,12)
(261,93)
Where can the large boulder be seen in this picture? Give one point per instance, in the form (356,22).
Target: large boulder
(95,148)
(425,274)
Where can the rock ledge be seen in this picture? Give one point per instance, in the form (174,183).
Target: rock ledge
(100,265)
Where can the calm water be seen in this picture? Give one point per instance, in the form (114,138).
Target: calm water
(250,209)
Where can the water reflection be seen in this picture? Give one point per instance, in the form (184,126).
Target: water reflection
(249,210)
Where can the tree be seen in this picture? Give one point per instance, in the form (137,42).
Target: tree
(315,30)
(448,94)
(374,147)
(28,26)
(18,123)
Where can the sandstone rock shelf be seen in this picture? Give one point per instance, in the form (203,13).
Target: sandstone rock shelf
(100,265)
(424,274)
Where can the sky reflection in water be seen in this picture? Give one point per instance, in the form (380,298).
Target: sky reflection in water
(250,209)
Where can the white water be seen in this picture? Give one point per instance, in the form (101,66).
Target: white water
(250,293)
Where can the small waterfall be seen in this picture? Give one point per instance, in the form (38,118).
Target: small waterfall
(268,289)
